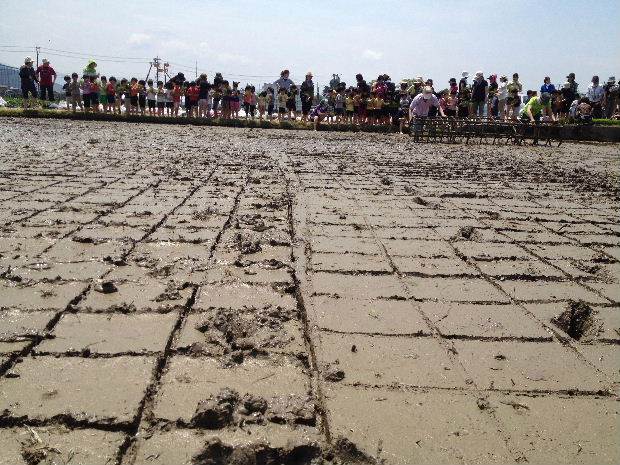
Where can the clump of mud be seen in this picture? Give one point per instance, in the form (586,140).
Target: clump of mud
(216,452)
(228,408)
(35,452)
(170,293)
(577,320)
(247,244)
(467,232)
(252,331)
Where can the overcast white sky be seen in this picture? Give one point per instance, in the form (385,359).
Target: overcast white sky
(251,41)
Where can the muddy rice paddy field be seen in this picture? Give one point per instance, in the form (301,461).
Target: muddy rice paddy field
(193,295)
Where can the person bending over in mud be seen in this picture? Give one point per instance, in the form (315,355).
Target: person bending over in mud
(319,113)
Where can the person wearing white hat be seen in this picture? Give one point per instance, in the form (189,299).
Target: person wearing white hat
(612,91)
(28,78)
(479,94)
(420,106)
(47,77)
(568,96)
(464,95)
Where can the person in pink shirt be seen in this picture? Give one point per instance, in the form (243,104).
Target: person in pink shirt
(47,77)
(420,105)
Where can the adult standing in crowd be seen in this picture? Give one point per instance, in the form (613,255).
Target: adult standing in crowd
(284,82)
(362,86)
(479,94)
(573,85)
(492,97)
(464,95)
(46,77)
(28,77)
(596,95)
(502,95)
(91,70)
(306,91)
(612,91)
(547,86)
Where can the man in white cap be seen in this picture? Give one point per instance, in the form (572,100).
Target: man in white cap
(612,91)
(47,77)
(596,94)
(28,78)
(420,105)
(479,94)
(306,93)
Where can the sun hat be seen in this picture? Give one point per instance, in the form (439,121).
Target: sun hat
(28,60)
(45,61)
(545,97)
(479,74)
(427,90)
(309,73)
(611,79)
(465,74)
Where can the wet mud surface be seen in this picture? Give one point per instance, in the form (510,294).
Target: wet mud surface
(194,295)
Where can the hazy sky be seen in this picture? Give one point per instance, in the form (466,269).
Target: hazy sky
(251,41)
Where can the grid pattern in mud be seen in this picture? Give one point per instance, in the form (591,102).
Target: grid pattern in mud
(161,286)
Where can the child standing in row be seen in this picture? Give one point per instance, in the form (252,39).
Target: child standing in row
(247,98)
(142,96)
(350,109)
(67,89)
(169,100)
(151,96)
(133,97)
(291,103)
(235,100)
(271,102)
(103,95)
(339,107)
(160,94)
(282,99)
(110,91)
(176,99)
(262,104)
(74,88)
(95,91)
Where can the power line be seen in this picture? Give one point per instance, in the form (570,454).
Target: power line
(131,60)
(93,55)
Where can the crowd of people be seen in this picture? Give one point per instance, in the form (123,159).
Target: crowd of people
(380,102)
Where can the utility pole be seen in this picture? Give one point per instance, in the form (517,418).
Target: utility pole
(37,50)
(196,69)
(156,64)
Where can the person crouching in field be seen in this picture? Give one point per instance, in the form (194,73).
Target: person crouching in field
(319,113)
